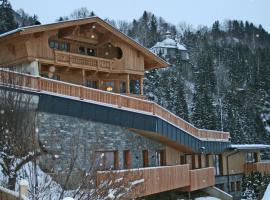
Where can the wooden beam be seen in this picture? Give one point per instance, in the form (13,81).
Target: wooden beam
(127,84)
(117,86)
(83,77)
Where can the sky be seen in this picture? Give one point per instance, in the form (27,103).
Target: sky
(194,12)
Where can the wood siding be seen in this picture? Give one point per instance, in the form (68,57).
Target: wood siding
(37,47)
(48,85)
(155,179)
(201,178)
(6,194)
(262,167)
(173,157)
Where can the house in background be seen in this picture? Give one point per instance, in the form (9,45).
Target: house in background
(170,48)
(88,79)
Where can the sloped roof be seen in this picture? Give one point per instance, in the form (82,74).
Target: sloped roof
(153,59)
(170,43)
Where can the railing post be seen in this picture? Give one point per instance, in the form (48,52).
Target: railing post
(38,84)
(23,189)
(153,108)
(119,98)
(81,92)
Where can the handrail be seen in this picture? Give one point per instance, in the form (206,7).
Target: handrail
(64,88)
(67,57)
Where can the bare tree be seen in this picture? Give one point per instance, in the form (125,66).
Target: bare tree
(18,141)
(21,153)
(81,13)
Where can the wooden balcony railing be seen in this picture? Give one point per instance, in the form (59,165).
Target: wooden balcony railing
(6,194)
(262,167)
(147,181)
(49,85)
(82,60)
(201,178)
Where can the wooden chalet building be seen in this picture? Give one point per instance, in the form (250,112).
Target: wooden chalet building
(88,78)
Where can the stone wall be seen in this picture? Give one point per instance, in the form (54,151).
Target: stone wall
(63,134)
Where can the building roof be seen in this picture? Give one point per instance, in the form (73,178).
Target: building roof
(152,58)
(250,146)
(170,43)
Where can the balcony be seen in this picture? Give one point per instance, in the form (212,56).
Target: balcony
(151,180)
(154,180)
(262,167)
(201,178)
(83,61)
(48,85)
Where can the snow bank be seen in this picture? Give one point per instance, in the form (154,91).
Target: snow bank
(266,195)
(207,198)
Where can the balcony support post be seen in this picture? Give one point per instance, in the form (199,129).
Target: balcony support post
(83,77)
(127,84)
(141,85)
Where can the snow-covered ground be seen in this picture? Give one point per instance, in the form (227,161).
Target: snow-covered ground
(266,195)
(207,198)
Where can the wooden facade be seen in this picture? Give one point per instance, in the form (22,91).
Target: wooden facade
(90,60)
(63,88)
(86,52)
(262,167)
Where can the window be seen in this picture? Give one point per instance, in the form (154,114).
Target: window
(81,50)
(127,159)
(250,158)
(91,52)
(91,84)
(145,158)
(183,160)
(109,86)
(107,160)
(217,161)
(62,46)
(135,86)
(160,158)
(232,186)
(119,52)
(238,185)
(122,87)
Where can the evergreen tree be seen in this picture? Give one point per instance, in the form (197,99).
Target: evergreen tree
(203,111)
(7,21)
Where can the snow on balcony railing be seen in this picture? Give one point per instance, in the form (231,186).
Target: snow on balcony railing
(38,83)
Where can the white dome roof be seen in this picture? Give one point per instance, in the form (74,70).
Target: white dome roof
(169,43)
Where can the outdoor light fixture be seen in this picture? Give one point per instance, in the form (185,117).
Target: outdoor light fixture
(52,69)
(93,26)
(109,89)
(92,36)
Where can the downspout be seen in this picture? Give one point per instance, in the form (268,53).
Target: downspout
(228,175)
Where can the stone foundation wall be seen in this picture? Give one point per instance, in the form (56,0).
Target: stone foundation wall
(65,135)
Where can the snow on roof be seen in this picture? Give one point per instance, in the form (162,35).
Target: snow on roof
(250,146)
(170,43)
(11,32)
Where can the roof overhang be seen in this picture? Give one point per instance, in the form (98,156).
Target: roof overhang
(151,60)
(249,147)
